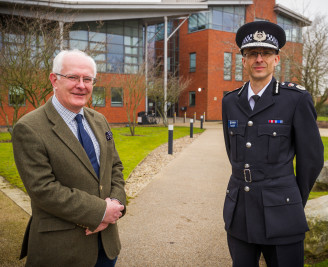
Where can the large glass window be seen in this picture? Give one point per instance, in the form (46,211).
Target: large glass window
(227,18)
(116,46)
(227,66)
(198,21)
(16,96)
(239,68)
(292,29)
(192,99)
(98,96)
(116,95)
(192,62)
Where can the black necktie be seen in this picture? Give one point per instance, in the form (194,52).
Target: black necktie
(256,98)
(87,144)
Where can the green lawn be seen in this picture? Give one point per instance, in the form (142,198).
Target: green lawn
(322,118)
(132,149)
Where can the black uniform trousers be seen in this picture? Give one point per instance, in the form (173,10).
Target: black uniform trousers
(245,254)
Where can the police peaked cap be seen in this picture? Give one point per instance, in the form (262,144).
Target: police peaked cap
(261,34)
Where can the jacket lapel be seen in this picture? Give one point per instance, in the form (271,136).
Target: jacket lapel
(63,132)
(97,127)
(243,101)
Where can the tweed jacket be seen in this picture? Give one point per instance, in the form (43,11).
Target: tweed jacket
(265,198)
(66,194)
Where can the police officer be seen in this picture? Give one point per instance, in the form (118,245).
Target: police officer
(266,124)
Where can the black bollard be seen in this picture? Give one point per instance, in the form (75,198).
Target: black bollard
(170,139)
(201,122)
(191,128)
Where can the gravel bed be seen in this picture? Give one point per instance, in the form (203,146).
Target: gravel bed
(146,170)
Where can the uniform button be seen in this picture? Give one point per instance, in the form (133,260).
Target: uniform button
(246,166)
(248,144)
(231,132)
(246,188)
(101,187)
(228,191)
(274,134)
(250,123)
(287,200)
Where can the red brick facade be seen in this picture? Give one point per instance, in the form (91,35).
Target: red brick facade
(209,46)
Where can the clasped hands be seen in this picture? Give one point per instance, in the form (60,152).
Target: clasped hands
(113,212)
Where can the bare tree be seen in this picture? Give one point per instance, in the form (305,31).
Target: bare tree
(175,86)
(312,72)
(133,89)
(29,45)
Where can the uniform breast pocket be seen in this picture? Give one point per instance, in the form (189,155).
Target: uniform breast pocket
(274,138)
(237,146)
(283,212)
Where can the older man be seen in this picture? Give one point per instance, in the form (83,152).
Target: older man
(266,124)
(66,157)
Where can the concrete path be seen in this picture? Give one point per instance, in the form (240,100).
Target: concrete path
(177,219)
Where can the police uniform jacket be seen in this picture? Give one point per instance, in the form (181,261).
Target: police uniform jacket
(265,198)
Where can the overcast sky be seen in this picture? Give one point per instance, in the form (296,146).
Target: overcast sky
(308,8)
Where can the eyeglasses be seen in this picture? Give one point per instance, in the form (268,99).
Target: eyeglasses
(255,54)
(76,78)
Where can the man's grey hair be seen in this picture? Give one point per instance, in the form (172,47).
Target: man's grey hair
(58,60)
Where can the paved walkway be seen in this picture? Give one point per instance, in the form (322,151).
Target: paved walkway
(177,219)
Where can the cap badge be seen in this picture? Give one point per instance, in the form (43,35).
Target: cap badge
(259,36)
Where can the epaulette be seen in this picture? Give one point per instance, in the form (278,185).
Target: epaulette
(227,93)
(289,85)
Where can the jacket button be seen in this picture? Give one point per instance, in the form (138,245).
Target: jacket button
(246,166)
(274,134)
(228,191)
(248,144)
(287,200)
(231,132)
(246,188)
(100,187)
(250,123)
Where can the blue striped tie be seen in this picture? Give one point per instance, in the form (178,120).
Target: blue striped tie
(87,144)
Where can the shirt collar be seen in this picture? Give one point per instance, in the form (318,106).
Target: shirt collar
(66,114)
(251,93)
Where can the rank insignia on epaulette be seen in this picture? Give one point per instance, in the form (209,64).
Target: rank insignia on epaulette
(291,85)
(275,121)
(300,87)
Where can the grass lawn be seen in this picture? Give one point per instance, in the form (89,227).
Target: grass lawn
(132,149)
(322,118)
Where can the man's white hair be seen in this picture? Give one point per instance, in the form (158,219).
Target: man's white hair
(58,60)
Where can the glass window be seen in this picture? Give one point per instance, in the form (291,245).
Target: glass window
(98,96)
(112,43)
(192,99)
(16,96)
(239,68)
(198,21)
(192,62)
(227,18)
(227,66)
(292,29)
(116,96)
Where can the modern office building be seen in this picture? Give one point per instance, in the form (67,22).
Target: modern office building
(125,34)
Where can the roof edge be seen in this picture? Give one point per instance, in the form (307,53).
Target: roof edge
(292,14)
